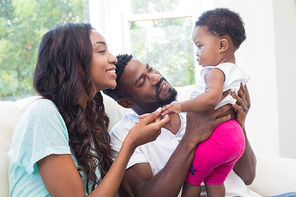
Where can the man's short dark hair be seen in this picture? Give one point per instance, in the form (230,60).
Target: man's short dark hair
(122,61)
(221,21)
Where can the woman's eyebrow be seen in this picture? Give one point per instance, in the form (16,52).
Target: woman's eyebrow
(100,42)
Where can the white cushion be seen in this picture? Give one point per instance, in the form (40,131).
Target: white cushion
(114,111)
(274,175)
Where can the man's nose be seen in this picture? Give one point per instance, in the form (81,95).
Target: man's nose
(154,78)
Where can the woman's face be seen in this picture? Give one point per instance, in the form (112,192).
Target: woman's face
(102,68)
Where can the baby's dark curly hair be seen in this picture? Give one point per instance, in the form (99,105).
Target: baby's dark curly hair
(120,66)
(221,22)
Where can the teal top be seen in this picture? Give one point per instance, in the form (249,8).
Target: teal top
(40,132)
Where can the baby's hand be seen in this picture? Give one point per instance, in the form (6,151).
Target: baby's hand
(148,114)
(174,107)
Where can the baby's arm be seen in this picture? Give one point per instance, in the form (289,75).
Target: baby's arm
(174,107)
(214,80)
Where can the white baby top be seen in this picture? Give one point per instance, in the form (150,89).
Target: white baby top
(233,77)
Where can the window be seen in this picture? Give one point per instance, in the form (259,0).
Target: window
(156,31)
(166,44)
(22,25)
(160,33)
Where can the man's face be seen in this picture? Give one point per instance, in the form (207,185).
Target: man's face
(146,87)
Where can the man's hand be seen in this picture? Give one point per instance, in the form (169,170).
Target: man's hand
(202,124)
(245,167)
(242,105)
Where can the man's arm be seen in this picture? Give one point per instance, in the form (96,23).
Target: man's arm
(139,181)
(245,167)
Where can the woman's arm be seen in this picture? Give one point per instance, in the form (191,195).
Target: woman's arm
(61,178)
(245,167)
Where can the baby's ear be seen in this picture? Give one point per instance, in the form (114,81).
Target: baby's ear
(125,102)
(223,45)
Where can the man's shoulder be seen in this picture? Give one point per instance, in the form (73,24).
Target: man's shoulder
(183,115)
(125,124)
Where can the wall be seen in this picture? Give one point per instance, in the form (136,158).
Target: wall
(285,42)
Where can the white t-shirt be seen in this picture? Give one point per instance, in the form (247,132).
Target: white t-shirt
(233,77)
(158,152)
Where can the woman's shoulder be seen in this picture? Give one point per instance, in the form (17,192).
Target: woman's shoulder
(43,105)
(125,124)
(42,109)
(41,102)
(41,114)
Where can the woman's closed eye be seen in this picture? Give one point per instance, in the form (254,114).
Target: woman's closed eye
(102,51)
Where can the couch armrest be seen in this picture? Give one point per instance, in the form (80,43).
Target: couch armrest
(10,112)
(274,175)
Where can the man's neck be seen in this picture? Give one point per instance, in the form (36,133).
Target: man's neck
(140,111)
(174,125)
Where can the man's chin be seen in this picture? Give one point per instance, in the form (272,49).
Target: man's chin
(149,107)
(172,97)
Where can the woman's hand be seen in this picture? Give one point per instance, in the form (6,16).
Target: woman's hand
(148,129)
(242,105)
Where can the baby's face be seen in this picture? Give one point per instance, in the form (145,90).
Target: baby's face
(208,46)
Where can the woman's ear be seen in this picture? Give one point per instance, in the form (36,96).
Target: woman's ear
(125,102)
(223,45)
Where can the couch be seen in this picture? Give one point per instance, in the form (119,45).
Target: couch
(275,175)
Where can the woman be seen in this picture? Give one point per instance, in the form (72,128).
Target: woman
(61,146)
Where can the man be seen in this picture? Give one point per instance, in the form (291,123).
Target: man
(159,168)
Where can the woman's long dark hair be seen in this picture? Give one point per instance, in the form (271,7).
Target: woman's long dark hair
(62,75)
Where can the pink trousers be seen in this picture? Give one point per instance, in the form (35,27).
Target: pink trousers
(215,157)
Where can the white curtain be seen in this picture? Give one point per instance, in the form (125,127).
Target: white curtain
(109,17)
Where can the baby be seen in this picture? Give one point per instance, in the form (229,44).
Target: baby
(217,35)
